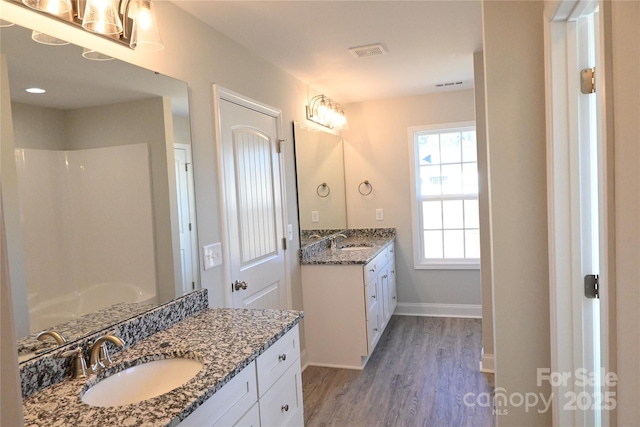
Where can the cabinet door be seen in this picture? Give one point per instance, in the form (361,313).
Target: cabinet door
(250,419)
(282,404)
(383,281)
(392,295)
(230,403)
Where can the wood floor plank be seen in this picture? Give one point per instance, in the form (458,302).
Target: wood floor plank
(418,375)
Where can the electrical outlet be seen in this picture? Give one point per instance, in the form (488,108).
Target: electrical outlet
(212,255)
(315,216)
(379,214)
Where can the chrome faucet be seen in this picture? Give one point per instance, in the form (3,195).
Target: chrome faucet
(332,240)
(315,236)
(99,356)
(60,339)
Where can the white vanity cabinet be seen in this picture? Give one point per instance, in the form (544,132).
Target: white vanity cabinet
(268,392)
(347,307)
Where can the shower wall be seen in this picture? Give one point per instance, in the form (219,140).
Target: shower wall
(78,208)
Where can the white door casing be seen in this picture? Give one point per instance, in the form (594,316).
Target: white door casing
(186,217)
(253,211)
(577,177)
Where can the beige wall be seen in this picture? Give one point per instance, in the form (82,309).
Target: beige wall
(38,127)
(10,401)
(515,109)
(484,213)
(377,149)
(625,16)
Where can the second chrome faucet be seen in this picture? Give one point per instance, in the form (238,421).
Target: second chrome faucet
(99,357)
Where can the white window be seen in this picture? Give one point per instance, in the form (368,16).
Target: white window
(444,181)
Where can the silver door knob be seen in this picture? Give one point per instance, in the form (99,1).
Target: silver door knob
(240,285)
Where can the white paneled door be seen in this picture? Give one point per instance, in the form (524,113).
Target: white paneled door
(254,211)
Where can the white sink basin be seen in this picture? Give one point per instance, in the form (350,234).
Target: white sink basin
(142,382)
(355,248)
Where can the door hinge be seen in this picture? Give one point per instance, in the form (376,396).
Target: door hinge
(186,167)
(591,286)
(193,286)
(588,80)
(284,243)
(189,226)
(279,145)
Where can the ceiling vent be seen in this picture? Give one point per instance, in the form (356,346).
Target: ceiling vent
(369,50)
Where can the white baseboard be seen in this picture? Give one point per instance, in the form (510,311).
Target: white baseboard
(487,364)
(439,310)
(303,360)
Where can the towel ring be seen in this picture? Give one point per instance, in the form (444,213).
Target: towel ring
(325,186)
(366,183)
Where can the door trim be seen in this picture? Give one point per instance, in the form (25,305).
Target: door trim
(195,259)
(220,93)
(562,216)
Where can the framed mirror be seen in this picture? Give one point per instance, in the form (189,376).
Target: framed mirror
(320,181)
(105,222)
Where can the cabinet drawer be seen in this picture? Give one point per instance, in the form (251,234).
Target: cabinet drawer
(232,401)
(372,267)
(275,361)
(282,404)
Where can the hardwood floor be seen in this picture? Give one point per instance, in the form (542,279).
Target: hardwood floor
(418,375)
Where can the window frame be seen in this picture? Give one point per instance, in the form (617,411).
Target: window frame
(419,261)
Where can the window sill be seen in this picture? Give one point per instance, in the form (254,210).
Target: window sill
(448,266)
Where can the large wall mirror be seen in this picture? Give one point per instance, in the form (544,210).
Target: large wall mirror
(101,187)
(320,176)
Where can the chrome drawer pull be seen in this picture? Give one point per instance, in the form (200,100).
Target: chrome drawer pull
(282,357)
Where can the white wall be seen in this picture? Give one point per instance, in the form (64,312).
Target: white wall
(515,110)
(377,149)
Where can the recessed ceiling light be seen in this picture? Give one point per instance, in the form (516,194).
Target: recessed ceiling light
(35,90)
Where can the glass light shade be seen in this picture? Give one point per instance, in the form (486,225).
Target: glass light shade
(101,16)
(47,39)
(95,55)
(145,35)
(4,23)
(54,7)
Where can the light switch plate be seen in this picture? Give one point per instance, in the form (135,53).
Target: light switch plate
(212,255)
(315,216)
(290,232)
(379,214)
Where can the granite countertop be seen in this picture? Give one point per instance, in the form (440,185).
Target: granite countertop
(226,340)
(327,256)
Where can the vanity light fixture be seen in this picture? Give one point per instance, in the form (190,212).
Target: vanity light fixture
(130,22)
(4,23)
(327,113)
(35,90)
(53,7)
